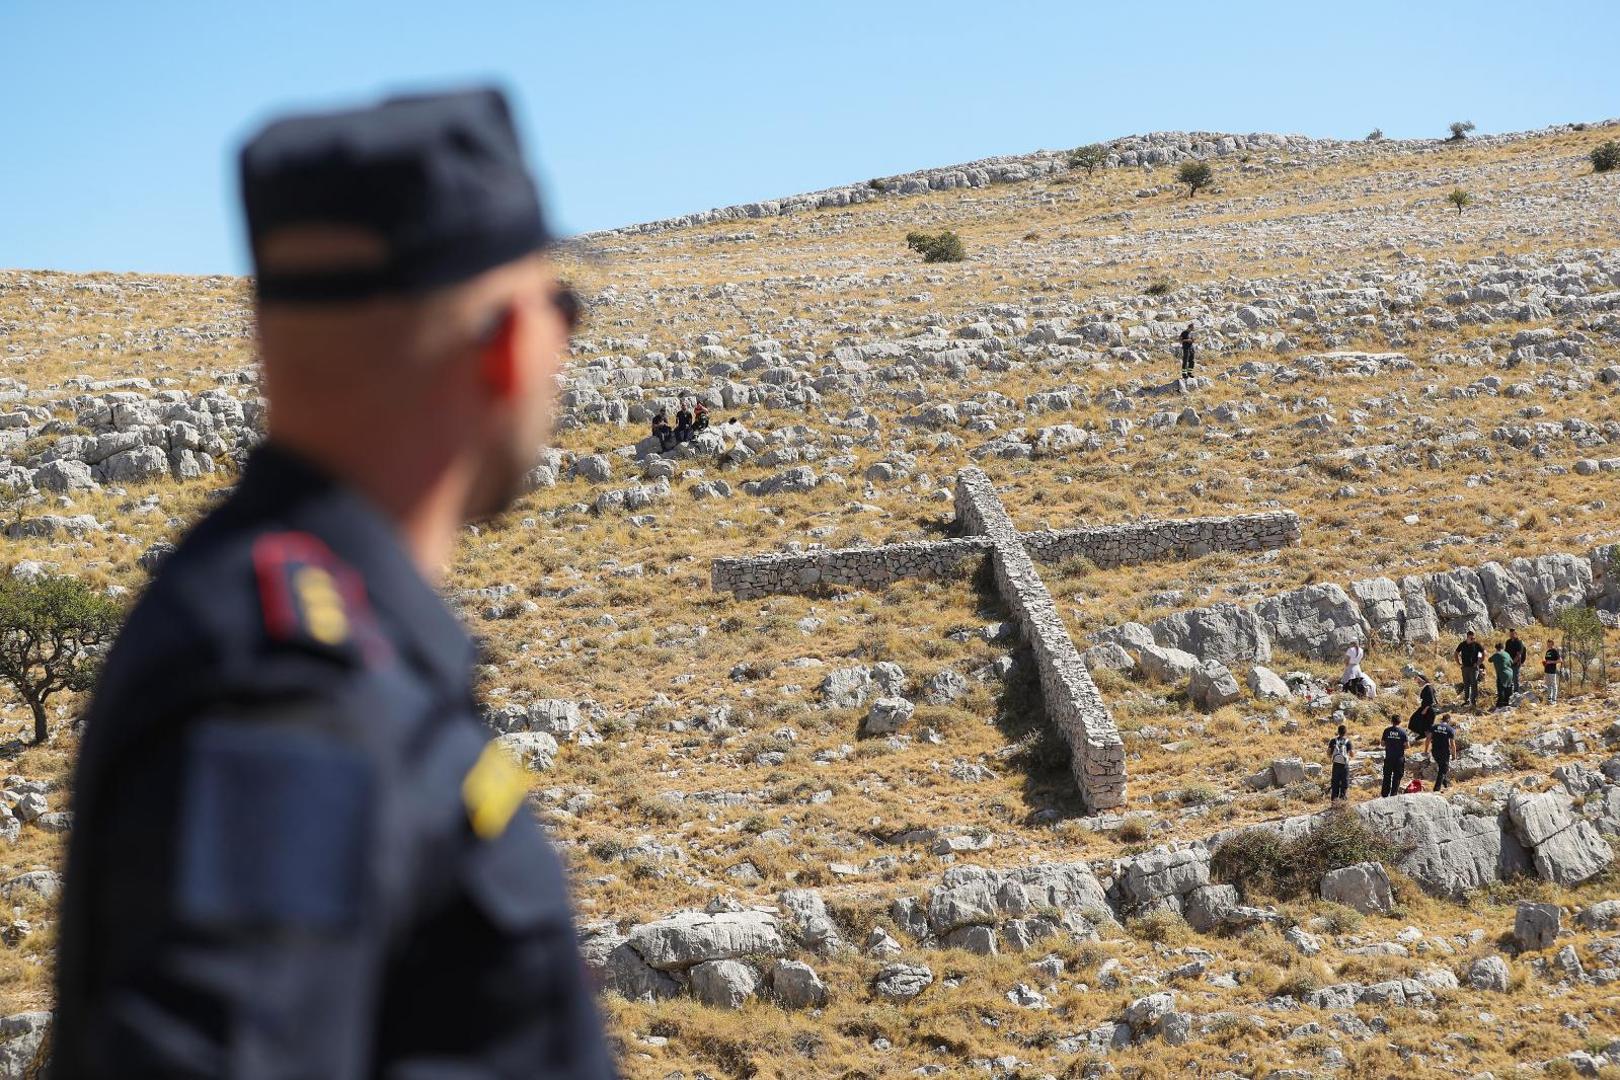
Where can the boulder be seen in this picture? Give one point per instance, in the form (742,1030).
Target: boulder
(846,688)
(797,986)
(1603,915)
(679,941)
(1422,624)
(1267,685)
(1459,602)
(971,895)
(62,477)
(594,468)
(1223,632)
(1504,597)
(621,969)
(1449,852)
(902,982)
(887,715)
(1212,686)
(1536,926)
(1168,666)
(1489,973)
(1383,608)
(1161,877)
(946,686)
(1108,657)
(533,749)
(725,984)
(1364,887)
(807,915)
(24,1047)
(1552,583)
(1209,906)
(1565,849)
(1318,621)
(978,940)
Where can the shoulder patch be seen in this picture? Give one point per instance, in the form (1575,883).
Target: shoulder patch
(311,598)
(274,827)
(493,789)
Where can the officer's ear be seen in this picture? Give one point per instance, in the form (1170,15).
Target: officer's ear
(498,354)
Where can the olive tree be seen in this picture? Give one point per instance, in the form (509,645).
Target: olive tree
(1460,199)
(1460,129)
(1583,641)
(51,630)
(1088,157)
(1195,174)
(1606,158)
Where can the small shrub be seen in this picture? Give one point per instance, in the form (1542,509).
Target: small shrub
(943,246)
(1199,794)
(1606,158)
(1088,157)
(1195,174)
(1460,130)
(1133,830)
(1583,641)
(1158,927)
(1460,199)
(1375,135)
(1259,862)
(1161,287)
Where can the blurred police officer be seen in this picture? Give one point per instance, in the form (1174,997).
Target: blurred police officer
(295,854)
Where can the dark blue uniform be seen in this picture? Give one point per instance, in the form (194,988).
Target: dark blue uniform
(294,855)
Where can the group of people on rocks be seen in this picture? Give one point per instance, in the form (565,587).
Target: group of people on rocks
(1427,729)
(691,417)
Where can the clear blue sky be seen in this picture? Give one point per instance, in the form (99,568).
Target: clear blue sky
(120,119)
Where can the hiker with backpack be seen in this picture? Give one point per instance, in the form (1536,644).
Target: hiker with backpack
(1339,751)
(1395,741)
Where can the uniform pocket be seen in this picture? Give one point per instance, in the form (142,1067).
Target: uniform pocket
(515,880)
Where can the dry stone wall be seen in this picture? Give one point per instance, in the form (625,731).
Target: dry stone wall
(856,567)
(1111,546)
(1073,705)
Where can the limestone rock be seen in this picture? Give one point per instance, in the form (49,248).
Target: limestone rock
(887,715)
(1212,686)
(1489,973)
(1168,666)
(797,986)
(686,938)
(1565,849)
(1448,852)
(1318,621)
(1364,887)
(1504,597)
(902,982)
(725,984)
(1268,685)
(1536,926)
(1223,632)
(23,1044)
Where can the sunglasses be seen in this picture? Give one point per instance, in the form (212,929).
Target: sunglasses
(569,305)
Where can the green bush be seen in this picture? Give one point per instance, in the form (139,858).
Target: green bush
(1460,199)
(1460,129)
(1162,287)
(51,628)
(1088,157)
(943,246)
(1375,135)
(1195,174)
(1606,158)
(1261,863)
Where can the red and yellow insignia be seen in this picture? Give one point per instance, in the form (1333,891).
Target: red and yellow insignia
(309,597)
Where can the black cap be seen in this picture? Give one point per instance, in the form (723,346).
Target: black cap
(422,192)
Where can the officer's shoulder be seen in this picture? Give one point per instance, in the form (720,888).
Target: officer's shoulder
(270,592)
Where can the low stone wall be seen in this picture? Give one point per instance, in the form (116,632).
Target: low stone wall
(862,568)
(1072,703)
(1111,546)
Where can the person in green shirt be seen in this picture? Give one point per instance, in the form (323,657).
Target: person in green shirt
(1503,664)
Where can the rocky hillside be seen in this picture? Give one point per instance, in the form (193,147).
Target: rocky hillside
(829,830)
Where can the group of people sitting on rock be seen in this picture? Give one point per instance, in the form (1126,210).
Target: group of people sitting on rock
(1427,728)
(691,417)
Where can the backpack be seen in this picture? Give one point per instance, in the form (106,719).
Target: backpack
(1341,751)
(1414,787)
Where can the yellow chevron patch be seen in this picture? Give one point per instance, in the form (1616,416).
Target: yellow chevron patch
(493,789)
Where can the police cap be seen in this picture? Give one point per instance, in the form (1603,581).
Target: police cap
(408,195)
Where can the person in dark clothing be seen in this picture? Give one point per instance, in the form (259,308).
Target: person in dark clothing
(665,433)
(1503,664)
(683,423)
(1516,653)
(1395,741)
(295,850)
(1422,718)
(1442,740)
(1550,661)
(1187,352)
(1470,654)
(1339,752)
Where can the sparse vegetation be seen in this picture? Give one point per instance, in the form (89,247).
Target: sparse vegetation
(1606,157)
(1196,175)
(1460,199)
(1160,287)
(1583,642)
(1460,130)
(1375,135)
(943,246)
